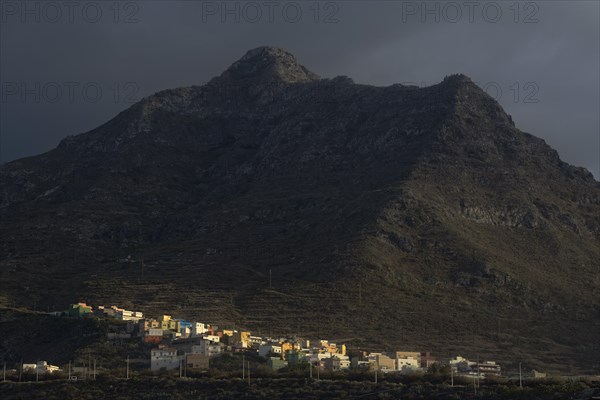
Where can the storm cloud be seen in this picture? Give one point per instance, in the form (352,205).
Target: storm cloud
(68,67)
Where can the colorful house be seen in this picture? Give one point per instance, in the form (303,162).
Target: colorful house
(153,335)
(79,310)
(337,362)
(294,357)
(241,338)
(285,347)
(165,321)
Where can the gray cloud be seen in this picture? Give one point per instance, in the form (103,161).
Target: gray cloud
(545,72)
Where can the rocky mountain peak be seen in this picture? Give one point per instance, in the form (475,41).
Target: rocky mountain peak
(268,64)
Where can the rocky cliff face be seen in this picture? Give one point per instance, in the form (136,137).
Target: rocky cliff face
(419,216)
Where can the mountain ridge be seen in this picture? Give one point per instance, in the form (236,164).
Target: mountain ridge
(424,199)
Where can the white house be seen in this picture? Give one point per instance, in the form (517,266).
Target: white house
(127,315)
(340,362)
(41,367)
(316,356)
(459,359)
(212,338)
(207,348)
(44,367)
(198,328)
(407,364)
(164,358)
(29,367)
(256,341)
(155,332)
(265,349)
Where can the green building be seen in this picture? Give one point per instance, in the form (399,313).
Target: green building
(276,363)
(294,357)
(79,310)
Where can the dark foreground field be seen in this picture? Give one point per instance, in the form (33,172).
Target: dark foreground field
(287,388)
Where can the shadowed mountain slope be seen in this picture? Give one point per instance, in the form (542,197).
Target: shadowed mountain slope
(387,216)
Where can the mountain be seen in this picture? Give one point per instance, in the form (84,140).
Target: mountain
(387,217)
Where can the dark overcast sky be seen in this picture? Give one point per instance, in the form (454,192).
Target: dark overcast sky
(540,59)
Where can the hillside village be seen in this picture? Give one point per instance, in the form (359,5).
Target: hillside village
(192,346)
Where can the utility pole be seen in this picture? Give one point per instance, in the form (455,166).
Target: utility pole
(477,371)
(180,368)
(94,369)
(69,370)
(4,372)
(318,369)
(37,374)
(451,375)
(474,385)
(127,367)
(243,367)
(375,376)
(520,377)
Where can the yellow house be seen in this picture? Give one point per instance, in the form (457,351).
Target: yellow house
(165,322)
(245,338)
(330,347)
(285,346)
(239,337)
(174,325)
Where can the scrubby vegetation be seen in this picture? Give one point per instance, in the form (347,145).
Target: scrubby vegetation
(153,386)
(224,381)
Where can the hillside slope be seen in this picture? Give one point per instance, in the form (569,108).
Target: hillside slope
(395,216)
